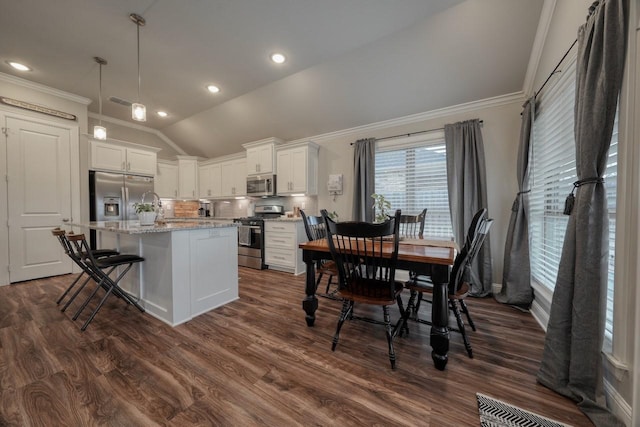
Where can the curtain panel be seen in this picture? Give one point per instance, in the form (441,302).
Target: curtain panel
(516,277)
(572,361)
(467,185)
(364,172)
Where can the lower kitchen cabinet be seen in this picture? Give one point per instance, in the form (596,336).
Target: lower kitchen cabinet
(281,240)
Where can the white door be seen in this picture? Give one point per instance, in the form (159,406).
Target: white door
(39,189)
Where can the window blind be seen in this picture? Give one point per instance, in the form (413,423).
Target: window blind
(413,176)
(553,171)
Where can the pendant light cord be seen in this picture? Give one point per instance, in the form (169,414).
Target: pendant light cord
(100,92)
(138,31)
(100,62)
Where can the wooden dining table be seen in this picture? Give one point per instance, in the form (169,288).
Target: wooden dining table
(426,257)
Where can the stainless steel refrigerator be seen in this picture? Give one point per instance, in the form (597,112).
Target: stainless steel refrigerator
(112,196)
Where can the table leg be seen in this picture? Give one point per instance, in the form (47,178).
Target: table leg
(440,317)
(310,302)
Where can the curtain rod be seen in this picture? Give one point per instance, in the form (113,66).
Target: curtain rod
(412,133)
(555,70)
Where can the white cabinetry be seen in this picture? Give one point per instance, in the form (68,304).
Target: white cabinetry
(166,180)
(108,156)
(210,180)
(187,177)
(260,156)
(281,240)
(297,169)
(234,177)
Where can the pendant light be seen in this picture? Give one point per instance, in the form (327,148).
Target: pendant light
(138,110)
(100,132)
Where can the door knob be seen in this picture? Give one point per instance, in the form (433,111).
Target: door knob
(65,219)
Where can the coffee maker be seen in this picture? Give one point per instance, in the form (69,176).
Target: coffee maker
(205,209)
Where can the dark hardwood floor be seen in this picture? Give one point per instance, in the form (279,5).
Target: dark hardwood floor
(255,362)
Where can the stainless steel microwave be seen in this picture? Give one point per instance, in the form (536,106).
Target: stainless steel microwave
(261,185)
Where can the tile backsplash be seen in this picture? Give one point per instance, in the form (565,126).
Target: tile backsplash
(188,209)
(238,208)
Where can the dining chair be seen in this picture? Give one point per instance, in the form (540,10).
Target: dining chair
(316,229)
(366,255)
(459,280)
(60,234)
(412,226)
(100,270)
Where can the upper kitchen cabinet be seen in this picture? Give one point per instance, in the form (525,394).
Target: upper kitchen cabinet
(297,169)
(166,180)
(234,177)
(128,158)
(187,177)
(210,180)
(261,156)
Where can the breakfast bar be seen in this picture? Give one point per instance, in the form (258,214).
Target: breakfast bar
(190,267)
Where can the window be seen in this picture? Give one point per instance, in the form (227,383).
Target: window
(412,175)
(553,171)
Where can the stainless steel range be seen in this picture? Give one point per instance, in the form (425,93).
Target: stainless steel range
(251,236)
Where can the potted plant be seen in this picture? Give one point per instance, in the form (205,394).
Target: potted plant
(146,213)
(380,206)
(333,215)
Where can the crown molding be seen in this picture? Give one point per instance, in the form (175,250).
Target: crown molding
(544,23)
(495,101)
(141,128)
(44,89)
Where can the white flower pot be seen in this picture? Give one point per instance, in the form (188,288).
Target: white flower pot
(147,218)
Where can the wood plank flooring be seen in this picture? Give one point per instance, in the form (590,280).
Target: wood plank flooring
(255,362)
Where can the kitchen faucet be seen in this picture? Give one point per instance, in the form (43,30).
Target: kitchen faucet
(157,203)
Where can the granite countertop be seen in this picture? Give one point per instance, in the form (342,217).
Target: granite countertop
(200,218)
(134,227)
(284,219)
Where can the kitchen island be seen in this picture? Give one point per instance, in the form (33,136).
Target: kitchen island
(190,266)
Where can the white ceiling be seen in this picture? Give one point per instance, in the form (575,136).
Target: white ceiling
(350,62)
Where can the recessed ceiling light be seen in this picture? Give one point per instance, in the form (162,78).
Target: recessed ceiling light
(213,89)
(278,58)
(18,66)
(162,113)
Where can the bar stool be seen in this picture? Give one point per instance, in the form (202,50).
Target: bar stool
(100,270)
(60,234)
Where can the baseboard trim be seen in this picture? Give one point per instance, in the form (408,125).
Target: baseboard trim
(617,404)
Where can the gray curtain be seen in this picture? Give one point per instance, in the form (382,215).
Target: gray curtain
(516,276)
(572,361)
(364,166)
(467,183)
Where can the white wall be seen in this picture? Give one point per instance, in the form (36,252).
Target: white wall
(501,130)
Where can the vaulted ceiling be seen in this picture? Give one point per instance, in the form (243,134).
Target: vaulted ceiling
(349,62)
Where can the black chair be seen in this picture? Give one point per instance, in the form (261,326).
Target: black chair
(316,229)
(412,226)
(60,234)
(459,286)
(100,270)
(366,273)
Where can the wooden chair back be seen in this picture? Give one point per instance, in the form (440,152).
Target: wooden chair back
(314,226)
(366,256)
(412,226)
(476,235)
